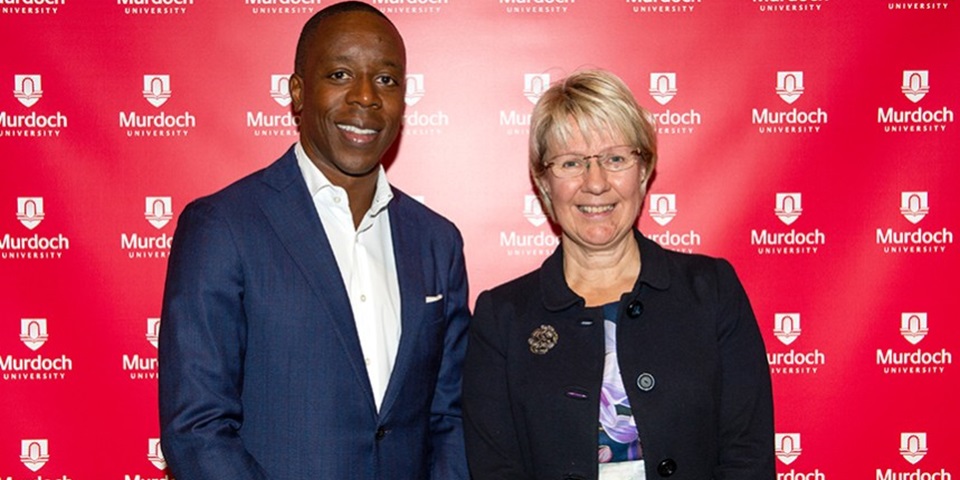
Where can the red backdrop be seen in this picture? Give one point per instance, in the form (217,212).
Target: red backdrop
(812,143)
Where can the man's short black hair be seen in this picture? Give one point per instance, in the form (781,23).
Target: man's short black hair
(310,28)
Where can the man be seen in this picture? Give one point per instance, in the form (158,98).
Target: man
(314,317)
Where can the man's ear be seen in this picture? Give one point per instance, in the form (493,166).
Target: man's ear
(296,92)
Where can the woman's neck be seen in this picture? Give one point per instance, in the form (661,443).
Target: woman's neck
(602,276)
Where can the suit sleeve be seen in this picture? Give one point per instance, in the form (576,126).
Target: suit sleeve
(448,459)
(201,352)
(493,451)
(746,402)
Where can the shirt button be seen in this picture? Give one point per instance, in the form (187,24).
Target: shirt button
(363,298)
(336,199)
(366,360)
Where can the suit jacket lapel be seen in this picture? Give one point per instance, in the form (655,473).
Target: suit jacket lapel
(407,246)
(290,210)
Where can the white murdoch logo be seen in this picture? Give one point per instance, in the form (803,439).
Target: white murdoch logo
(153,331)
(34,453)
(534,84)
(33,332)
(788,207)
(156,89)
(914,206)
(533,210)
(663,207)
(663,86)
(30,211)
(913,326)
(26,88)
(415,90)
(787,447)
(916,84)
(155,454)
(913,446)
(786,327)
(789,86)
(280,89)
(159,211)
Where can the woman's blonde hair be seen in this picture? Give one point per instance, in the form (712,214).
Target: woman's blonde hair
(596,102)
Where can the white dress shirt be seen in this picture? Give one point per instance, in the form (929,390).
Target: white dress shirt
(367,266)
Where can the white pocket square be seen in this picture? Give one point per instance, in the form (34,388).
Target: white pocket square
(434,298)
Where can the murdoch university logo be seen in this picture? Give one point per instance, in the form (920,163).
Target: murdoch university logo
(418,122)
(272,124)
(33,332)
(153,331)
(542,243)
(913,446)
(916,84)
(280,89)
(790,85)
(155,454)
(26,89)
(787,447)
(913,326)
(414,89)
(159,211)
(156,89)
(914,206)
(518,122)
(144,367)
(34,453)
(788,208)
(663,207)
(786,327)
(534,84)
(533,211)
(30,211)
(663,86)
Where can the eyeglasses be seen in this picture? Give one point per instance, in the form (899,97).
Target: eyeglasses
(613,159)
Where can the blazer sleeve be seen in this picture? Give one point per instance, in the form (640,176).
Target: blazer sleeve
(201,352)
(493,450)
(746,399)
(448,459)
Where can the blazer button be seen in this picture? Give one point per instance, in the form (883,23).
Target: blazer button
(646,382)
(634,309)
(667,467)
(381,432)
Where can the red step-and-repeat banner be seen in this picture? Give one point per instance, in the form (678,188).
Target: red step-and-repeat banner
(812,142)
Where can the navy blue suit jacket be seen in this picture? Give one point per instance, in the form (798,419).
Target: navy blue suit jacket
(261,370)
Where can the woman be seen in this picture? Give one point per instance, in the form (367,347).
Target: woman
(616,359)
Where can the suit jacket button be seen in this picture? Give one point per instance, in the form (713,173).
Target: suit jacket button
(667,467)
(646,382)
(381,432)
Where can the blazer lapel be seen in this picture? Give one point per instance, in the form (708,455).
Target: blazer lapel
(406,251)
(290,210)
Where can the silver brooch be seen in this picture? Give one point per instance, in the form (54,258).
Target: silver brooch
(543,339)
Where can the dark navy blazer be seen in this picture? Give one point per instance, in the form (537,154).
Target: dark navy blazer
(691,358)
(261,370)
